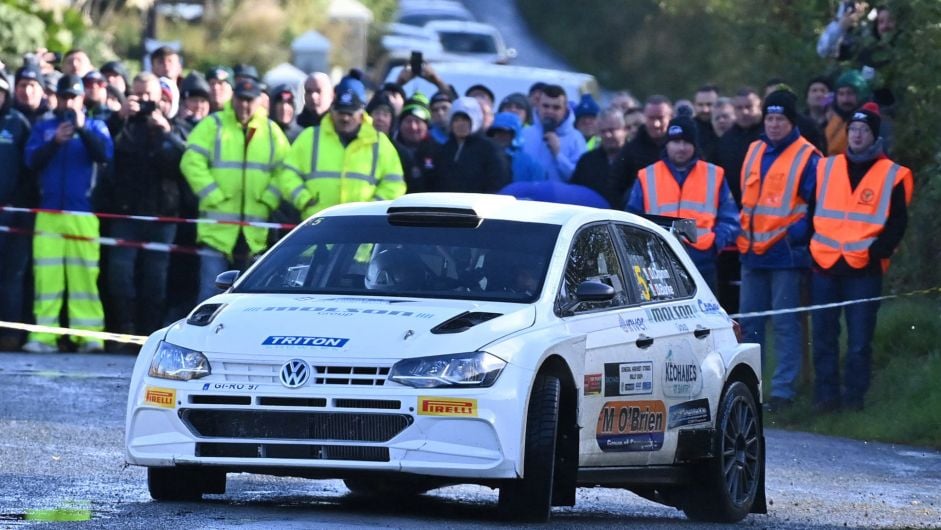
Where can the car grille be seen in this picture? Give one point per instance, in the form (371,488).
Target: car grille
(256,372)
(269,424)
(293,451)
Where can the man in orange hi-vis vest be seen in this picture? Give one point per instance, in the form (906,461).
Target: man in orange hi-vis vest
(682,185)
(778,182)
(860,218)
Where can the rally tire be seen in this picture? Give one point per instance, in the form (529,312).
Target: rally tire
(728,484)
(183,484)
(530,498)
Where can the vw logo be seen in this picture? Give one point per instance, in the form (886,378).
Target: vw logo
(295,373)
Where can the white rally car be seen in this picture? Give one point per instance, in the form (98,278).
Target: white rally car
(447,338)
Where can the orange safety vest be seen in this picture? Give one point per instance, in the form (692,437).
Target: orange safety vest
(847,221)
(772,204)
(698,199)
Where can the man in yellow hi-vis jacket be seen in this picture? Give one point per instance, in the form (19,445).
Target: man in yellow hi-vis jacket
(231,163)
(345,159)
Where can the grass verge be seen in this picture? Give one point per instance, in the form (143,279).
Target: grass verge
(904,400)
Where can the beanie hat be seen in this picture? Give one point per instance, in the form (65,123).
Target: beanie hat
(469,107)
(441,96)
(782,102)
(28,71)
(586,107)
(380,100)
(482,89)
(683,128)
(416,106)
(855,80)
(517,99)
(194,85)
(868,114)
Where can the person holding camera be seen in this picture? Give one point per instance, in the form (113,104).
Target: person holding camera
(64,151)
(144,181)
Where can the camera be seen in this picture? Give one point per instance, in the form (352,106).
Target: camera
(147,108)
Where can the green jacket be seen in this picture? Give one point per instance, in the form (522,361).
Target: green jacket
(234,172)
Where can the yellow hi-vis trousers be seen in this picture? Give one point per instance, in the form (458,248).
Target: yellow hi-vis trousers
(63,266)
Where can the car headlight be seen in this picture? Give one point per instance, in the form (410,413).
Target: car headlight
(176,362)
(477,369)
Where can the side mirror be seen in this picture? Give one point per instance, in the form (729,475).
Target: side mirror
(225,280)
(594,291)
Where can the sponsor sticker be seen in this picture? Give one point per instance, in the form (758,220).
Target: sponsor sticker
(631,426)
(671,313)
(296,340)
(689,413)
(709,307)
(628,379)
(592,384)
(160,397)
(338,311)
(682,375)
(629,325)
(443,406)
(231,386)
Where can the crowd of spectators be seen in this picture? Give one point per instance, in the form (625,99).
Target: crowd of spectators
(220,145)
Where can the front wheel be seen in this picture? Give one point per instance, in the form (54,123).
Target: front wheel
(728,484)
(530,498)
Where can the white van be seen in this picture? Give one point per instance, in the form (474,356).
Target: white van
(501,79)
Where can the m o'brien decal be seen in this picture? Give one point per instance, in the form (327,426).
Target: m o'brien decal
(294,340)
(631,426)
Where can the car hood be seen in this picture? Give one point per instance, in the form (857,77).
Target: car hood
(322,325)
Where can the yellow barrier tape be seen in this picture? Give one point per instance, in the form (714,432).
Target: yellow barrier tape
(102,335)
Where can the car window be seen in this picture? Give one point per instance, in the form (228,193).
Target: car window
(655,273)
(594,257)
(366,255)
(462,42)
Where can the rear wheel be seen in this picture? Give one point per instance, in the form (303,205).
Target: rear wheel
(530,498)
(183,484)
(728,483)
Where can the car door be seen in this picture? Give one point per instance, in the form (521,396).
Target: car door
(614,370)
(664,339)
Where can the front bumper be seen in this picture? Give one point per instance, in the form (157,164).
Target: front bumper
(392,428)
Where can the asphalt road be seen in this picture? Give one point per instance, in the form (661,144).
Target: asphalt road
(504,15)
(61,448)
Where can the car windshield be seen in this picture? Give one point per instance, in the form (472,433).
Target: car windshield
(424,18)
(504,261)
(461,42)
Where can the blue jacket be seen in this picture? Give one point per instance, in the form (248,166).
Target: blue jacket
(14,131)
(522,166)
(67,172)
(559,168)
(727,224)
(793,251)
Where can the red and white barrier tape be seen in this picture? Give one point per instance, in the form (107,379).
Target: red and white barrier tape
(115,242)
(151,218)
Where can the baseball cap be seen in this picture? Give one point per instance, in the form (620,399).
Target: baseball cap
(94,76)
(70,85)
(220,73)
(247,88)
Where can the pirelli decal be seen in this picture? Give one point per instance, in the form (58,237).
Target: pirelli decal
(628,426)
(443,406)
(160,397)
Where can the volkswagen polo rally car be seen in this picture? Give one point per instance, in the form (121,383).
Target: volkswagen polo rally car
(453,338)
